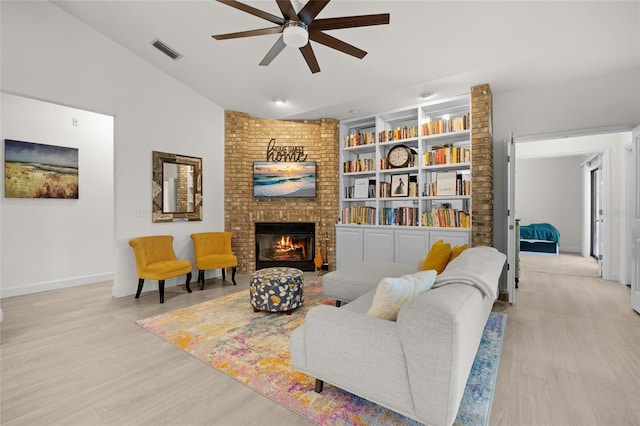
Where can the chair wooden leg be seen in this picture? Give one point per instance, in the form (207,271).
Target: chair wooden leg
(140,283)
(224,278)
(338,303)
(188,281)
(319,386)
(233,275)
(201,279)
(161,290)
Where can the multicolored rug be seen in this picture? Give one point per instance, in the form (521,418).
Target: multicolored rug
(253,348)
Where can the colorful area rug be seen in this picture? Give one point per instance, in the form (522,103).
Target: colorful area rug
(253,348)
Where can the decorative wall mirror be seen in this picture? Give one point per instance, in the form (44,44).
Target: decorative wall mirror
(177,187)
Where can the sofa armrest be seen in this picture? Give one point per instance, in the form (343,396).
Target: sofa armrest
(358,353)
(440,331)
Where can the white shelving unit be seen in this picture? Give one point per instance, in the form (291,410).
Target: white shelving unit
(384,224)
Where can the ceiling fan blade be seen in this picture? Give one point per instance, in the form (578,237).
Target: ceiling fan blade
(287,10)
(334,43)
(350,22)
(310,10)
(253,11)
(310,57)
(275,51)
(250,33)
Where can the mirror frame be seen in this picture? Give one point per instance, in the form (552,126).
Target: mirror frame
(157,215)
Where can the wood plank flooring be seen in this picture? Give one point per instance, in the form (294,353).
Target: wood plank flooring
(75,356)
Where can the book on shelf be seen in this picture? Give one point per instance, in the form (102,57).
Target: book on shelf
(359,165)
(446,218)
(447,155)
(401,216)
(446,125)
(398,133)
(463,187)
(359,215)
(358,138)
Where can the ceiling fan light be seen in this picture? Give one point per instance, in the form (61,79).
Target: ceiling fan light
(295,35)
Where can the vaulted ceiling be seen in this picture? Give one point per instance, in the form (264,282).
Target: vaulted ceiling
(429,47)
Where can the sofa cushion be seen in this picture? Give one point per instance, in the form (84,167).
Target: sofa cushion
(392,293)
(438,256)
(456,250)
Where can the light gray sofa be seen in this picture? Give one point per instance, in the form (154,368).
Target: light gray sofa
(418,365)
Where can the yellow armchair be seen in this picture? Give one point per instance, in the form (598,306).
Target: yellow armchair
(212,250)
(156,260)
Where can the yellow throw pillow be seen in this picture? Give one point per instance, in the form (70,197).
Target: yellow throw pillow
(438,256)
(456,250)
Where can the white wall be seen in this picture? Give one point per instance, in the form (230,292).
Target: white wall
(549,190)
(47,54)
(52,243)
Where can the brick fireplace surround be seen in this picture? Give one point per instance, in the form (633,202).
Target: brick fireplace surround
(246,141)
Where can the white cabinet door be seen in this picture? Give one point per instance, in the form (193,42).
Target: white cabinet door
(453,238)
(348,247)
(410,246)
(378,244)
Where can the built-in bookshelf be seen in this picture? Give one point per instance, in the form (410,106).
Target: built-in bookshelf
(431,193)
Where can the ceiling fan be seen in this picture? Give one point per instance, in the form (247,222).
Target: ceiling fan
(298,28)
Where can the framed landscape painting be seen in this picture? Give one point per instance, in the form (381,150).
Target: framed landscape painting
(33,170)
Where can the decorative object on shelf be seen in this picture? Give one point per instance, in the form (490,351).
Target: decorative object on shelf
(446,183)
(400,185)
(361,188)
(399,156)
(297,28)
(176,188)
(34,170)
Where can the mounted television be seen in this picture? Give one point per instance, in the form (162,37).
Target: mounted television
(284,179)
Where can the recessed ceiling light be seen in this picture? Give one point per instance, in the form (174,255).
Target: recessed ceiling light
(426,95)
(354,111)
(279,101)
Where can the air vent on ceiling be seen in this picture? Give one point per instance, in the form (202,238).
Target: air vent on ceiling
(173,54)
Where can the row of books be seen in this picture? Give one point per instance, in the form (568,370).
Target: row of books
(398,133)
(462,187)
(446,125)
(447,155)
(446,218)
(360,215)
(403,216)
(359,165)
(384,164)
(357,139)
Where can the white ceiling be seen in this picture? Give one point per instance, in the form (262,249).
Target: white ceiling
(429,46)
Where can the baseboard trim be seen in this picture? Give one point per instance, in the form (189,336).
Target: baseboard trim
(54,285)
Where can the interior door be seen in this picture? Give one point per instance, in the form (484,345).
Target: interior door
(634,181)
(511,220)
(596,217)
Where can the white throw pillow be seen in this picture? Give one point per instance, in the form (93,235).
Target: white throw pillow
(393,293)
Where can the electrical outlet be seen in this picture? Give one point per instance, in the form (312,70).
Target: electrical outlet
(75,122)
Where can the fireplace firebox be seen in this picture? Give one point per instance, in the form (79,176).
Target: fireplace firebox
(289,244)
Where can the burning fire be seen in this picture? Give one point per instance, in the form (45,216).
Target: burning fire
(286,245)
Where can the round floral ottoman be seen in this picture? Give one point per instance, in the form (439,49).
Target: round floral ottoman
(276,289)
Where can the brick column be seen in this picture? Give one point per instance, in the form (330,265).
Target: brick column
(481,166)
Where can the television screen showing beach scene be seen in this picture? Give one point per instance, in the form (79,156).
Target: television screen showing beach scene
(286,179)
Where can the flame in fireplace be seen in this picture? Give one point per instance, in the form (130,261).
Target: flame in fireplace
(286,245)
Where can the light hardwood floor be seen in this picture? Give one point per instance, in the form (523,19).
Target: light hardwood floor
(571,356)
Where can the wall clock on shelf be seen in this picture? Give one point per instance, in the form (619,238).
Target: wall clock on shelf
(399,156)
